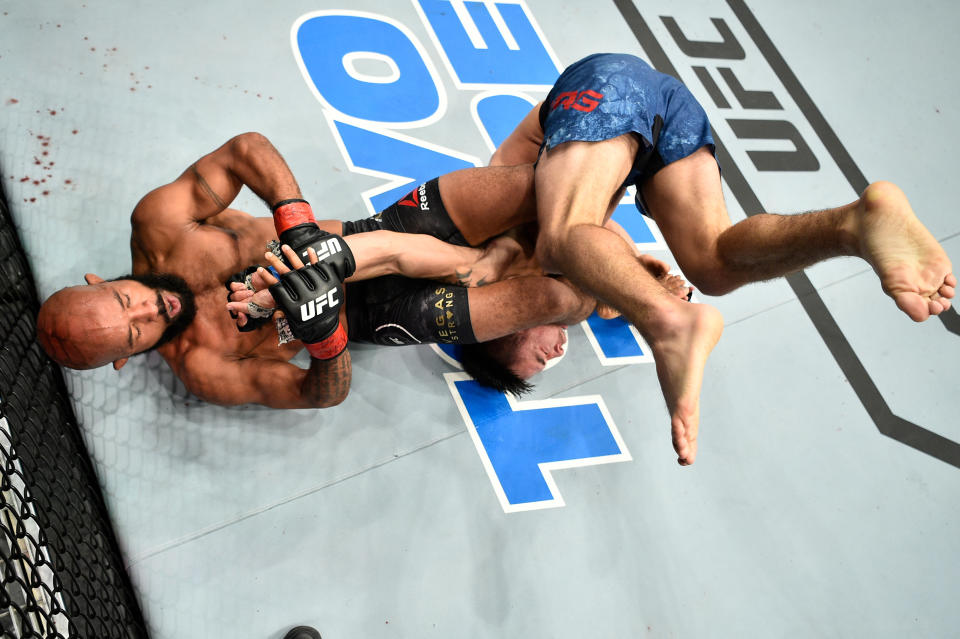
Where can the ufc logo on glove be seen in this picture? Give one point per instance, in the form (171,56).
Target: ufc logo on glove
(324,248)
(313,307)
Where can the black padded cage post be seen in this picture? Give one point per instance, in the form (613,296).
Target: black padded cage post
(60,565)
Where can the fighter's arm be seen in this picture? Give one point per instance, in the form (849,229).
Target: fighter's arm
(273,383)
(522,146)
(208,186)
(421,256)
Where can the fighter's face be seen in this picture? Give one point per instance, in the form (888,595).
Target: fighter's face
(132,316)
(537,346)
(88,326)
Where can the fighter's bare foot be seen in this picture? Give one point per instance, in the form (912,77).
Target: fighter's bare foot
(913,268)
(681,339)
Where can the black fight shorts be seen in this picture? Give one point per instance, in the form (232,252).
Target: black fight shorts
(393,310)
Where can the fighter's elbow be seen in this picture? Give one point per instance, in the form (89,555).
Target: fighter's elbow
(247,144)
(250,138)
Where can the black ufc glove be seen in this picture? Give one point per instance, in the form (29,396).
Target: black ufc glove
(297,228)
(311,297)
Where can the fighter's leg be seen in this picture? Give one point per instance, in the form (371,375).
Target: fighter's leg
(484,202)
(522,146)
(574,183)
(520,303)
(686,200)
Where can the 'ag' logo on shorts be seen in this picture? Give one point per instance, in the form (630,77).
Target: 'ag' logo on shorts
(585,101)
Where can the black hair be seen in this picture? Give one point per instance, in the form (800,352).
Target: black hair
(479,361)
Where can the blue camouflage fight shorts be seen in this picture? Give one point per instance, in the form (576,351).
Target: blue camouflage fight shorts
(606,95)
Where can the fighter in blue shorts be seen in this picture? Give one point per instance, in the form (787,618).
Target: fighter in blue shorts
(612,121)
(624,95)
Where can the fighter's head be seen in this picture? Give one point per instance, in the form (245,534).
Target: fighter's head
(108,321)
(506,363)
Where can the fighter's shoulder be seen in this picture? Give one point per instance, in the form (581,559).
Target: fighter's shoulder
(203,369)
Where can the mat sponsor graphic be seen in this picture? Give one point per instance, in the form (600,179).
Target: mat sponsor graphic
(521,443)
(375,78)
(770,137)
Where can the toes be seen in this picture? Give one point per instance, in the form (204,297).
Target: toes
(915,306)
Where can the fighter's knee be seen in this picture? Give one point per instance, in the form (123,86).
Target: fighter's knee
(710,279)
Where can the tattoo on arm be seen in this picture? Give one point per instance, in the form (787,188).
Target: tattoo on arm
(206,187)
(328,381)
(463,278)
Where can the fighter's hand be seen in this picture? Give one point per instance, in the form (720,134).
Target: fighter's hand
(676,286)
(246,303)
(502,257)
(259,302)
(660,271)
(310,297)
(656,268)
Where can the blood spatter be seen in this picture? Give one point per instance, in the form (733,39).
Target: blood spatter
(13,101)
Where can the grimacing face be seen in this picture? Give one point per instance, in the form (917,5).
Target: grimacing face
(108,321)
(535,347)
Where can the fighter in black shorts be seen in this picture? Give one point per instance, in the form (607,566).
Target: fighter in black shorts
(508,329)
(396,311)
(528,312)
